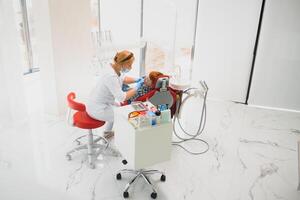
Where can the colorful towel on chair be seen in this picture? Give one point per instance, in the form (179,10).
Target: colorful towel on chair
(141,91)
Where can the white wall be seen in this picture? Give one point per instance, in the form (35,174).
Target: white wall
(64,50)
(276,78)
(13,105)
(226,35)
(122,18)
(44,54)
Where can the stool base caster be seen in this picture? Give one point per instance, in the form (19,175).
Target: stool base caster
(163,178)
(92,165)
(118,176)
(153,195)
(125,194)
(124,162)
(68,157)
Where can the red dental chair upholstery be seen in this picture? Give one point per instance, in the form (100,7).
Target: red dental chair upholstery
(82,120)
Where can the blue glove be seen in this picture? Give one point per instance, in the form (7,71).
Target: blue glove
(125,87)
(139,84)
(138,79)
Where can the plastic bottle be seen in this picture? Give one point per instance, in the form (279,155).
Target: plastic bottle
(152,118)
(165,116)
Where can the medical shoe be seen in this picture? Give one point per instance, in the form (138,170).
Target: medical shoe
(108,134)
(111,151)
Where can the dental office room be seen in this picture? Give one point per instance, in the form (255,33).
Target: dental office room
(149,99)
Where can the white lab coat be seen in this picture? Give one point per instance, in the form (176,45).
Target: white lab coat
(107,91)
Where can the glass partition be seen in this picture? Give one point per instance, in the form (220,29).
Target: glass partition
(119,28)
(169,29)
(187,13)
(161,33)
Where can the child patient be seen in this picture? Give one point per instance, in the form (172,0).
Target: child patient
(146,87)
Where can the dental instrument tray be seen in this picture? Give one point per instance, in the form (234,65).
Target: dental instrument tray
(144,114)
(138,106)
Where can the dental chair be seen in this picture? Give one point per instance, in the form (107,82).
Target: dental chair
(82,120)
(162,94)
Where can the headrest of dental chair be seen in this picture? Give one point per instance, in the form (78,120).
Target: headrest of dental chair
(162,83)
(162,93)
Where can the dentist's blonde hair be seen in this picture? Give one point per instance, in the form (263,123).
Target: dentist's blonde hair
(123,57)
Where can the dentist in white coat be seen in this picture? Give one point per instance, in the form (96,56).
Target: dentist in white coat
(108,90)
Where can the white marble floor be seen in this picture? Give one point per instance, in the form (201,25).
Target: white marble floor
(252,156)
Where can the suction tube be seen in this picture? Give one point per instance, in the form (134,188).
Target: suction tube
(177,116)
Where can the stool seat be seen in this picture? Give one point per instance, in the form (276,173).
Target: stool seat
(82,120)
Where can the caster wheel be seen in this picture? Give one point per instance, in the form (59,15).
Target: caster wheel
(92,166)
(163,178)
(118,176)
(68,157)
(124,162)
(125,194)
(153,195)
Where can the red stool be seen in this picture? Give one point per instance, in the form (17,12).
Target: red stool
(82,120)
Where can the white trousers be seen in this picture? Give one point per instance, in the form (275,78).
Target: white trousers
(109,126)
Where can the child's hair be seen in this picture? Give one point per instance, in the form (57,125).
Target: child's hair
(153,76)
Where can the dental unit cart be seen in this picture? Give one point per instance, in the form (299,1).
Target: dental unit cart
(143,134)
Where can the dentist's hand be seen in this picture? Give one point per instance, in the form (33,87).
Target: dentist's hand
(139,84)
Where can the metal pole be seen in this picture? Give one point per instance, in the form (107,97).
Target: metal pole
(99,17)
(99,35)
(194,40)
(143,49)
(26,34)
(173,53)
(299,165)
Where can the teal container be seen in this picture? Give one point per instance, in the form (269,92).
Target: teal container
(165,116)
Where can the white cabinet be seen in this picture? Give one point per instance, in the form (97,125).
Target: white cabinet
(141,147)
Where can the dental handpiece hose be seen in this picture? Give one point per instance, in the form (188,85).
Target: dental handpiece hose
(190,136)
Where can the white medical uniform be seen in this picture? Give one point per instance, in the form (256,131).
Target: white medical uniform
(107,91)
